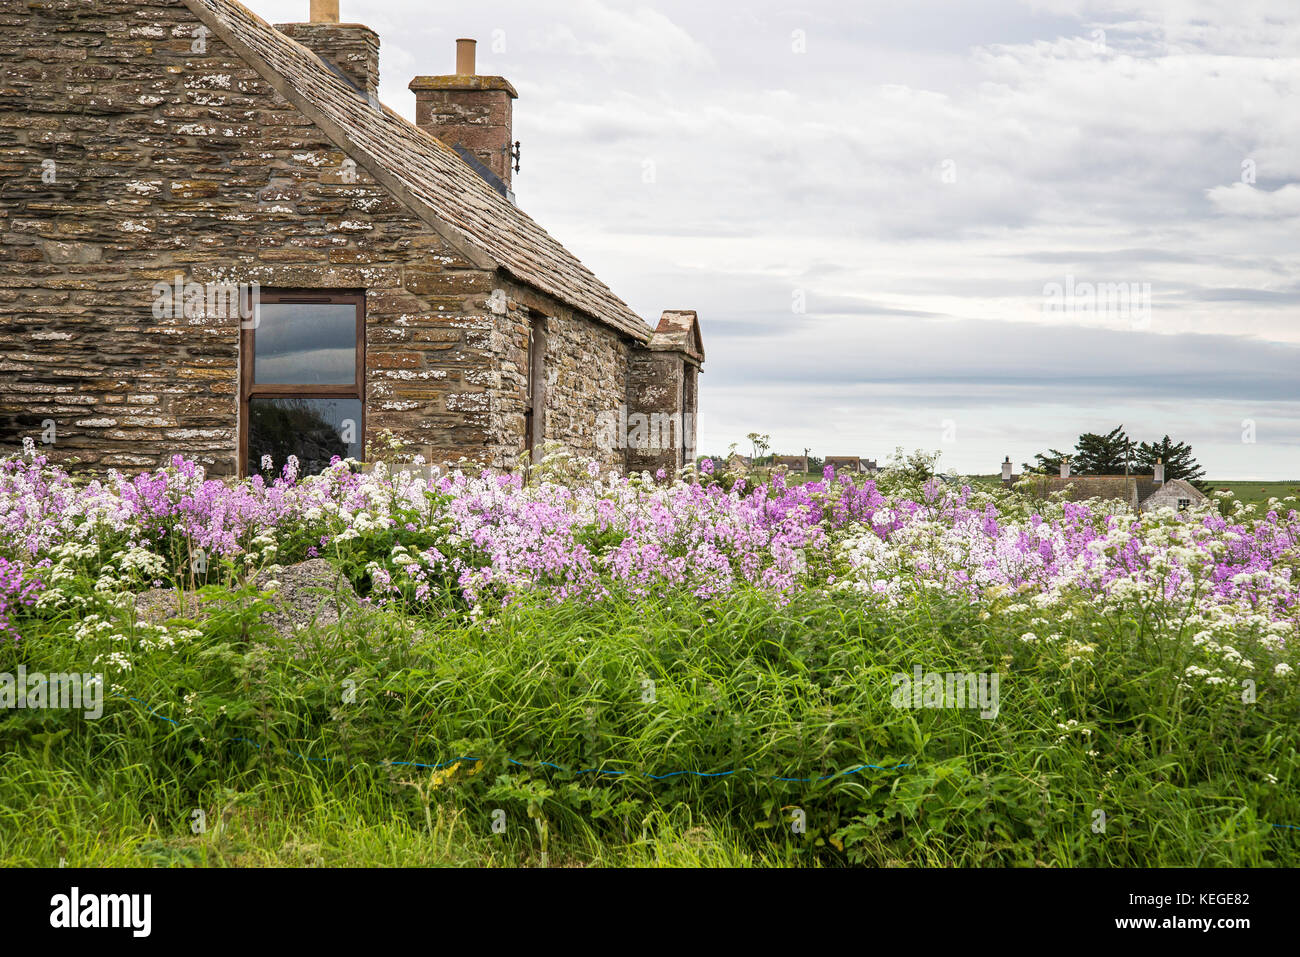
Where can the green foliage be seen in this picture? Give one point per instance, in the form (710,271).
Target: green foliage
(288,743)
(1177,459)
(906,472)
(1109,454)
(1047,463)
(1116,454)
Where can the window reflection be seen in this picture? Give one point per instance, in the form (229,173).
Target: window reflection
(315,430)
(305,343)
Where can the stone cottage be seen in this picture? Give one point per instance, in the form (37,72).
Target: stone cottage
(851,463)
(1142,493)
(792,463)
(218,242)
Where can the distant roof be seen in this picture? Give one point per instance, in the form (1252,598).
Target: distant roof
(423,172)
(1133,489)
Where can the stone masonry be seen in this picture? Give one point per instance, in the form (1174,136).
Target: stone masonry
(138,146)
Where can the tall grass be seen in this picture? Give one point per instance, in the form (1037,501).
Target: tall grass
(299,749)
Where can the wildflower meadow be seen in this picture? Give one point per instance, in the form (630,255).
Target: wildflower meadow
(568,666)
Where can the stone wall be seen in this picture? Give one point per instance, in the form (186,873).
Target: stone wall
(655,391)
(585,370)
(127,158)
(135,148)
(663,395)
(586,376)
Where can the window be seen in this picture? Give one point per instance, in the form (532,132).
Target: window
(535,391)
(1184,504)
(302,380)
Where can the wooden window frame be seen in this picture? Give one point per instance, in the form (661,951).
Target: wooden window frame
(249,390)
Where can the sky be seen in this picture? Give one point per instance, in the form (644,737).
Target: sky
(980,228)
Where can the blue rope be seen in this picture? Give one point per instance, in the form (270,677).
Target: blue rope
(597,771)
(548,764)
(152,711)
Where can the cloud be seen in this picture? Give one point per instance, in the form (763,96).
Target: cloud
(920,173)
(1241,199)
(615,38)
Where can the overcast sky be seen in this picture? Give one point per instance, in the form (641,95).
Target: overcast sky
(889,214)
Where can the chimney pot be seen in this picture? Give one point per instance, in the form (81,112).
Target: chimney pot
(1006,470)
(465,53)
(1160,472)
(324,11)
(1065,470)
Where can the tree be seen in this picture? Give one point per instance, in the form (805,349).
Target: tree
(1177,459)
(1048,463)
(1116,454)
(1109,454)
(911,470)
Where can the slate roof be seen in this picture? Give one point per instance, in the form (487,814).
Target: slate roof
(1173,490)
(424,172)
(837,462)
(679,329)
(799,462)
(1133,489)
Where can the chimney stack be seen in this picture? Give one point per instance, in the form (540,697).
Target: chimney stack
(1065,468)
(350,48)
(1006,470)
(1160,472)
(472,114)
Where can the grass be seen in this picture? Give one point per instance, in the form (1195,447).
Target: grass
(1257,493)
(1188,777)
(1249,493)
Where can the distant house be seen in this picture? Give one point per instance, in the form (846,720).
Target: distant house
(851,463)
(795,463)
(845,463)
(1174,493)
(1142,493)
